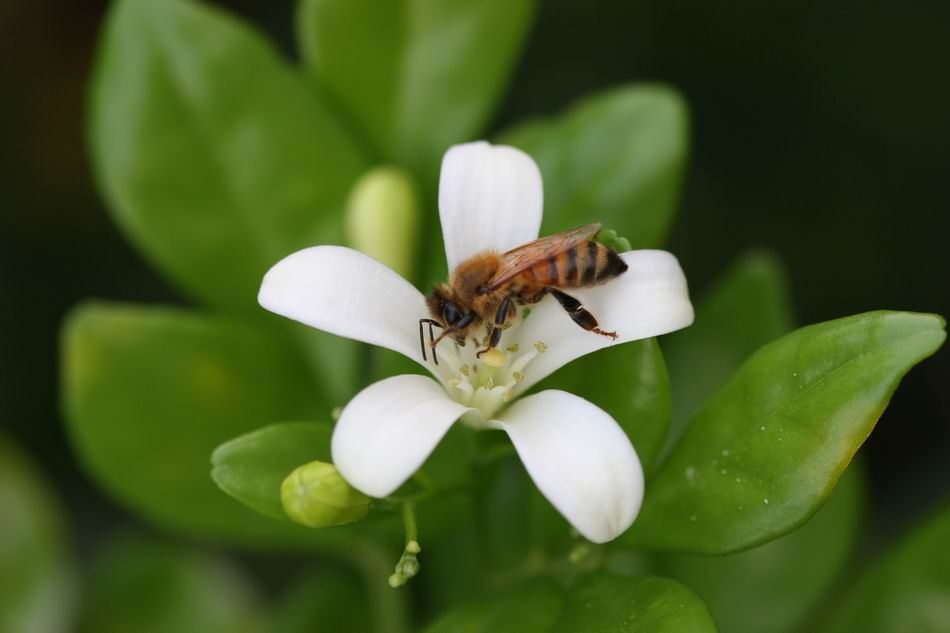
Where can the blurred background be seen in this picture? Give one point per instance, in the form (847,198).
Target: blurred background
(820,131)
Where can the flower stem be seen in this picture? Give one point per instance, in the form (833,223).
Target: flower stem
(409,520)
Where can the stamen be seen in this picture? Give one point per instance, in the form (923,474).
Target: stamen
(518,376)
(465,370)
(513,348)
(540,346)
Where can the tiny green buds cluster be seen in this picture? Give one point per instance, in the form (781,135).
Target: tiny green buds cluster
(408,565)
(382,218)
(316,495)
(610,239)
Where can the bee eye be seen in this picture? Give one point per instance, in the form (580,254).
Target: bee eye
(451,314)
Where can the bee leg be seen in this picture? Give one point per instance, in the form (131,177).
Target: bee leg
(579,314)
(501,317)
(492,342)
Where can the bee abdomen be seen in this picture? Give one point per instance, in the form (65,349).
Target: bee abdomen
(586,264)
(593,264)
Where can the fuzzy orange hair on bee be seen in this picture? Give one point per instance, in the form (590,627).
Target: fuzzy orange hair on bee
(487,287)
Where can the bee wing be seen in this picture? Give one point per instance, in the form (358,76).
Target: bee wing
(527,255)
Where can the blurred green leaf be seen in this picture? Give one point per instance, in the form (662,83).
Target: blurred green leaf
(534,608)
(324,599)
(214,155)
(37,579)
(252,467)
(150,393)
(746,308)
(141,586)
(774,587)
(907,591)
(631,384)
(601,603)
(617,158)
(767,449)
(415,75)
(597,603)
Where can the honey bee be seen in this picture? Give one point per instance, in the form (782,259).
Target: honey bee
(487,287)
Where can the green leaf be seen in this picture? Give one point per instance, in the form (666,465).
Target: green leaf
(415,75)
(598,603)
(37,576)
(630,383)
(215,157)
(616,158)
(252,467)
(906,591)
(150,393)
(163,589)
(325,599)
(765,452)
(776,586)
(747,307)
(533,608)
(614,604)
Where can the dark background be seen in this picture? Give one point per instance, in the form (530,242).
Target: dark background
(820,130)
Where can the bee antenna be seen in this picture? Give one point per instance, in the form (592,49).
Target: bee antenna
(432,341)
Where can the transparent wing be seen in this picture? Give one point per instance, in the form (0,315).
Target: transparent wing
(520,259)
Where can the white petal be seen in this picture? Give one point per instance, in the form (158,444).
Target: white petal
(387,430)
(649,299)
(490,197)
(580,459)
(344,292)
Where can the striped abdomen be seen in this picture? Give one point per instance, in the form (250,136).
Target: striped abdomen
(586,264)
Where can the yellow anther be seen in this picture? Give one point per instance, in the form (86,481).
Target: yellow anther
(518,376)
(465,370)
(540,346)
(454,382)
(513,348)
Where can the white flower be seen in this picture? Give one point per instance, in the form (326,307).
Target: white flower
(490,197)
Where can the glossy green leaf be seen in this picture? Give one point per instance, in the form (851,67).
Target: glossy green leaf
(325,599)
(252,467)
(616,158)
(907,591)
(775,587)
(533,608)
(150,393)
(597,603)
(765,452)
(747,307)
(631,384)
(415,75)
(603,603)
(143,586)
(37,579)
(214,155)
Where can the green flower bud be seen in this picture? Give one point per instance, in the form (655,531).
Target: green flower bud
(382,217)
(316,495)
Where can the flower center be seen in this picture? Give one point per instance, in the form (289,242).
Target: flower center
(486,384)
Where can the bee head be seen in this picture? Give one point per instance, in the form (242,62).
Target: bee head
(445,308)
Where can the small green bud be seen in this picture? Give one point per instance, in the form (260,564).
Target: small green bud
(316,495)
(382,217)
